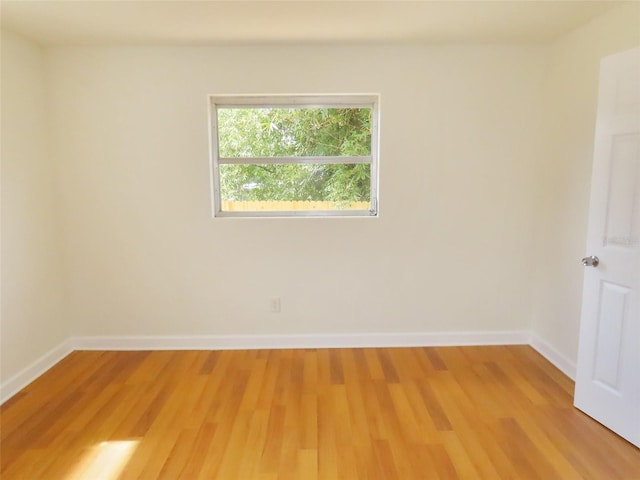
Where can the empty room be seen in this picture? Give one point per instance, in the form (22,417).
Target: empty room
(260,240)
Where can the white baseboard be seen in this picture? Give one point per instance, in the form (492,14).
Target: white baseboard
(28,374)
(251,342)
(561,361)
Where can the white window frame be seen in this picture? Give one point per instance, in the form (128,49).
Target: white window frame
(293,101)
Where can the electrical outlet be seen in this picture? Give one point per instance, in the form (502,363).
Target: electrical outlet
(275,305)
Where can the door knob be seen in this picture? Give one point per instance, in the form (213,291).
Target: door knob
(591,261)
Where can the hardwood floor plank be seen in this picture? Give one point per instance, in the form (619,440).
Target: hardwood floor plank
(373,364)
(408,423)
(472,426)
(308,464)
(335,364)
(199,452)
(434,358)
(179,455)
(389,370)
(436,413)
(210,363)
(488,459)
(424,419)
(386,463)
(327,449)
(443,463)
(270,459)
(433,406)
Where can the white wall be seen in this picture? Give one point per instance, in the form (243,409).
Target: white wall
(570,93)
(31,322)
(459,153)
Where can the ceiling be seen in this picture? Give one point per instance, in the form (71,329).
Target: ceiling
(149,22)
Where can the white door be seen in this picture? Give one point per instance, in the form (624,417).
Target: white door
(608,373)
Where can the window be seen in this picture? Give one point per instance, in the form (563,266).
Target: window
(294,155)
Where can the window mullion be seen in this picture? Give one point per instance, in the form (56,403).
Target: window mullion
(294,160)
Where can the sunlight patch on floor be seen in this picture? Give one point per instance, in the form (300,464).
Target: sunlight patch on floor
(104,461)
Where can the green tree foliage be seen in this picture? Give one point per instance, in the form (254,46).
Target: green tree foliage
(294,132)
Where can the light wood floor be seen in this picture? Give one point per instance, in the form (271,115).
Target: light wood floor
(413,413)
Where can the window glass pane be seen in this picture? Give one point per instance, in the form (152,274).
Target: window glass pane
(295,187)
(289,132)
